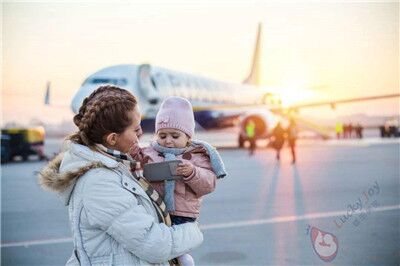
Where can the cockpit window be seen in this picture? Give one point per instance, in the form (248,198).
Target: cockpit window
(114,81)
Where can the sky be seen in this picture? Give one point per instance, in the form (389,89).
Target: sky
(311,51)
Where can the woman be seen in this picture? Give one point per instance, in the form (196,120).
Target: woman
(113,219)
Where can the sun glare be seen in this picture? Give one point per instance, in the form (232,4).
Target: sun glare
(293,95)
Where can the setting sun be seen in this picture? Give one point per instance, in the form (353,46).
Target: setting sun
(293,95)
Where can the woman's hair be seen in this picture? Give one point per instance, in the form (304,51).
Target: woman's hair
(102,112)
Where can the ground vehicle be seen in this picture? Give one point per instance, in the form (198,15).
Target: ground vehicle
(22,142)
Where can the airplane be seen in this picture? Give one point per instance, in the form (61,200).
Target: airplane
(215,103)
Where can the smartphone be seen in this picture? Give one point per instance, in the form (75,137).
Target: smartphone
(161,171)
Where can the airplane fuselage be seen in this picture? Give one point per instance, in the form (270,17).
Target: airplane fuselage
(214,102)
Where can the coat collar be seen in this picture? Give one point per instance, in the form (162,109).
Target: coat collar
(92,155)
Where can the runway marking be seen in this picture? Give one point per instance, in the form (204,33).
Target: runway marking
(362,142)
(281,219)
(37,242)
(293,218)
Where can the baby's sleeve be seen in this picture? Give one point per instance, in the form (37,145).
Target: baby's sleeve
(203,179)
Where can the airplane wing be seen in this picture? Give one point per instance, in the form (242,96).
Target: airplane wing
(281,109)
(342,101)
(325,132)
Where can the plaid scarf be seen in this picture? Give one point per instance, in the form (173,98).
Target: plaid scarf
(134,167)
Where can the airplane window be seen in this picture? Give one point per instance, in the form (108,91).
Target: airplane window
(187,83)
(204,84)
(117,82)
(122,82)
(158,80)
(174,81)
(196,84)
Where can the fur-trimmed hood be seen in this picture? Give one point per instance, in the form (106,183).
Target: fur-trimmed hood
(50,177)
(62,172)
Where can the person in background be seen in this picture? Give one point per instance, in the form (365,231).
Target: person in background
(339,130)
(345,131)
(291,133)
(359,131)
(251,135)
(350,128)
(278,139)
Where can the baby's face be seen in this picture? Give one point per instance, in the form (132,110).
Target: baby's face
(172,138)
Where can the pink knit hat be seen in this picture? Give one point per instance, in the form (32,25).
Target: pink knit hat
(177,113)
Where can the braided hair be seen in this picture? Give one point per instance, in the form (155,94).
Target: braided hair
(102,112)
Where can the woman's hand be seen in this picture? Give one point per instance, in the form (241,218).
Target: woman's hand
(185,169)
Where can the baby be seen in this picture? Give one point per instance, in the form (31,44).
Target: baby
(201,164)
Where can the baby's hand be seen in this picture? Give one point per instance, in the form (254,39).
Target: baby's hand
(185,169)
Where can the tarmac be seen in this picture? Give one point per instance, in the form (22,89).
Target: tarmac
(263,213)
